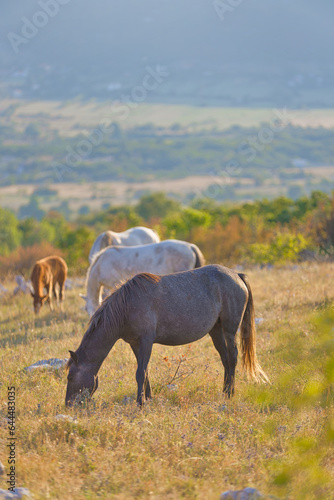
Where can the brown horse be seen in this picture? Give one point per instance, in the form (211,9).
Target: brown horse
(174,309)
(46,274)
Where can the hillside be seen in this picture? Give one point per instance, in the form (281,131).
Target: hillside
(241,154)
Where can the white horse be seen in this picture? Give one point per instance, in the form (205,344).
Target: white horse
(116,264)
(129,238)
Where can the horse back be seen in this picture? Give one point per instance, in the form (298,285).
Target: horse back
(205,293)
(40,276)
(52,267)
(58,268)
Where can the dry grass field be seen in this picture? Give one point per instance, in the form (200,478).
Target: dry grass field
(72,117)
(116,193)
(189,441)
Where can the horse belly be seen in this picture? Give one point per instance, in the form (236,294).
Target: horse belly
(184,326)
(180,338)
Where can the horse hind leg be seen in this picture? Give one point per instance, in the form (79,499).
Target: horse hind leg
(55,293)
(224,340)
(61,283)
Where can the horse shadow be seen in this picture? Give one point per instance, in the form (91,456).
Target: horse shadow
(8,319)
(14,339)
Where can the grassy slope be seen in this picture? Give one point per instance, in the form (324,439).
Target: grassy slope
(74,117)
(189,442)
(70,118)
(117,192)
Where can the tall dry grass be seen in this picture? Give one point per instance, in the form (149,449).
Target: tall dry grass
(189,441)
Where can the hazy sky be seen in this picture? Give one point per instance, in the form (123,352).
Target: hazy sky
(124,33)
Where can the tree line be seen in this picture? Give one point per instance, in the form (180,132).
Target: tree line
(147,152)
(262,232)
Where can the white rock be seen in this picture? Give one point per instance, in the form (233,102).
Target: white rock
(16,494)
(245,494)
(66,417)
(23,285)
(3,290)
(47,364)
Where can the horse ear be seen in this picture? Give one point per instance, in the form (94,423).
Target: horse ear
(82,296)
(74,356)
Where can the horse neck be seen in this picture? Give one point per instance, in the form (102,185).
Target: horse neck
(93,287)
(115,238)
(97,344)
(38,282)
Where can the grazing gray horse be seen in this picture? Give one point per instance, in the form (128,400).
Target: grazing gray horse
(115,264)
(129,238)
(172,310)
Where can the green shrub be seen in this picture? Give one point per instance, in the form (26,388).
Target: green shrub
(285,247)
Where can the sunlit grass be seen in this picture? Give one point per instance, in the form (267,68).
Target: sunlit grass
(189,441)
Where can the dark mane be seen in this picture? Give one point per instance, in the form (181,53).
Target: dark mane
(113,310)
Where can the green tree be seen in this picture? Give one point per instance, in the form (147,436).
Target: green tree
(32,209)
(32,131)
(181,225)
(34,231)
(295,191)
(10,235)
(156,205)
(64,208)
(77,243)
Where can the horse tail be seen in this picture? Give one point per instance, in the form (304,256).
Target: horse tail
(200,260)
(248,338)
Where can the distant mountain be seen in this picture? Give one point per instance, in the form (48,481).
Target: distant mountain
(234,52)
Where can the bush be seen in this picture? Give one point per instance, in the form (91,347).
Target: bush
(44,191)
(22,259)
(156,205)
(285,247)
(182,224)
(10,236)
(310,455)
(34,232)
(32,209)
(76,245)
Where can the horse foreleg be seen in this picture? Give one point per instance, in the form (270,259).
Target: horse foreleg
(144,354)
(224,342)
(147,385)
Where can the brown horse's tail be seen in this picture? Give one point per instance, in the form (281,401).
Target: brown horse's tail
(200,260)
(248,338)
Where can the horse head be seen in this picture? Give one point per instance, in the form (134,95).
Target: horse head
(89,306)
(81,379)
(38,301)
